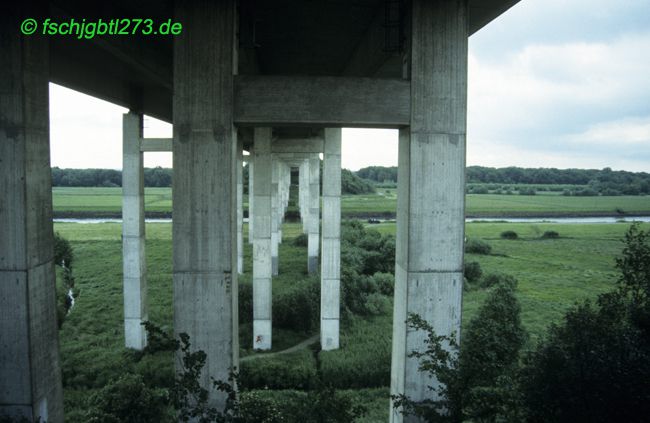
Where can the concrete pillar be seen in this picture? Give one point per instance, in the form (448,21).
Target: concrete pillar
(275,215)
(251,197)
(431,200)
(30,374)
(134,263)
(204,191)
(262,243)
(314,213)
(330,269)
(240,206)
(303,196)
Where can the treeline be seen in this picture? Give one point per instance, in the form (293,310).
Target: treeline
(604,181)
(162,177)
(153,177)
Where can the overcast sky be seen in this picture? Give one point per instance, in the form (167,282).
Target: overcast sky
(552,83)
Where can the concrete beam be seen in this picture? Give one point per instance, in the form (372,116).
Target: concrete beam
(431,200)
(133,233)
(30,373)
(262,262)
(296,146)
(330,273)
(239,168)
(204,187)
(321,101)
(156,144)
(313,230)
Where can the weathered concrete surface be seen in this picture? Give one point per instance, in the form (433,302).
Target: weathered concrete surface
(204,200)
(30,374)
(430,210)
(330,273)
(275,215)
(313,231)
(134,263)
(303,194)
(251,197)
(262,241)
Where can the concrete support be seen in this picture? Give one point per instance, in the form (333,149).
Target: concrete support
(204,187)
(30,374)
(262,242)
(330,273)
(240,206)
(251,197)
(303,194)
(430,211)
(133,233)
(275,215)
(313,231)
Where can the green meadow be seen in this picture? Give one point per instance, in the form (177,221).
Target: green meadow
(552,274)
(98,201)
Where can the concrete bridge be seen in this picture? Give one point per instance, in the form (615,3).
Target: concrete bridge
(277,79)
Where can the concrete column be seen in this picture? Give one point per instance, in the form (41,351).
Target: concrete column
(314,213)
(330,268)
(30,374)
(240,206)
(133,233)
(262,243)
(275,215)
(303,190)
(431,200)
(251,197)
(204,191)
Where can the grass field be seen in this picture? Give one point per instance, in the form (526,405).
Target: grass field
(552,274)
(68,201)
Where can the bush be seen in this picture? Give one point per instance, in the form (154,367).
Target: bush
(527,191)
(509,235)
(550,235)
(128,399)
(477,246)
(298,307)
(62,251)
(245,300)
(301,240)
(285,371)
(385,283)
(494,279)
(472,271)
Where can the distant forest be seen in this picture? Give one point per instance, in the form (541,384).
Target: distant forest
(604,182)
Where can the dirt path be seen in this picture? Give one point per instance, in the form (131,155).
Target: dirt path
(304,344)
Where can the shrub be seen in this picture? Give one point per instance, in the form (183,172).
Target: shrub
(477,246)
(494,279)
(298,307)
(472,271)
(245,300)
(128,399)
(385,283)
(301,240)
(550,235)
(509,235)
(285,371)
(527,191)
(62,251)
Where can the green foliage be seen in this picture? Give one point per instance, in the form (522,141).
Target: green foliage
(63,258)
(477,246)
(301,240)
(509,235)
(385,283)
(550,235)
(128,400)
(283,371)
(493,279)
(595,365)
(63,254)
(298,306)
(156,177)
(477,383)
(352,184)
(472,271)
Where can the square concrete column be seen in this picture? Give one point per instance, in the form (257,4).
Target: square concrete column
(133,233)
(431,200)
(330,268)
(30,373)
(313,230)
(251,197)
(303,193)
(275,214)
(262,261)
(204,192)
(240,206)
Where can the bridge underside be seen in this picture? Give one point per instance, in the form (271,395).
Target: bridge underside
(278,79)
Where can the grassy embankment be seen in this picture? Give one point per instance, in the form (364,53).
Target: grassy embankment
(552,274)
(108,202)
